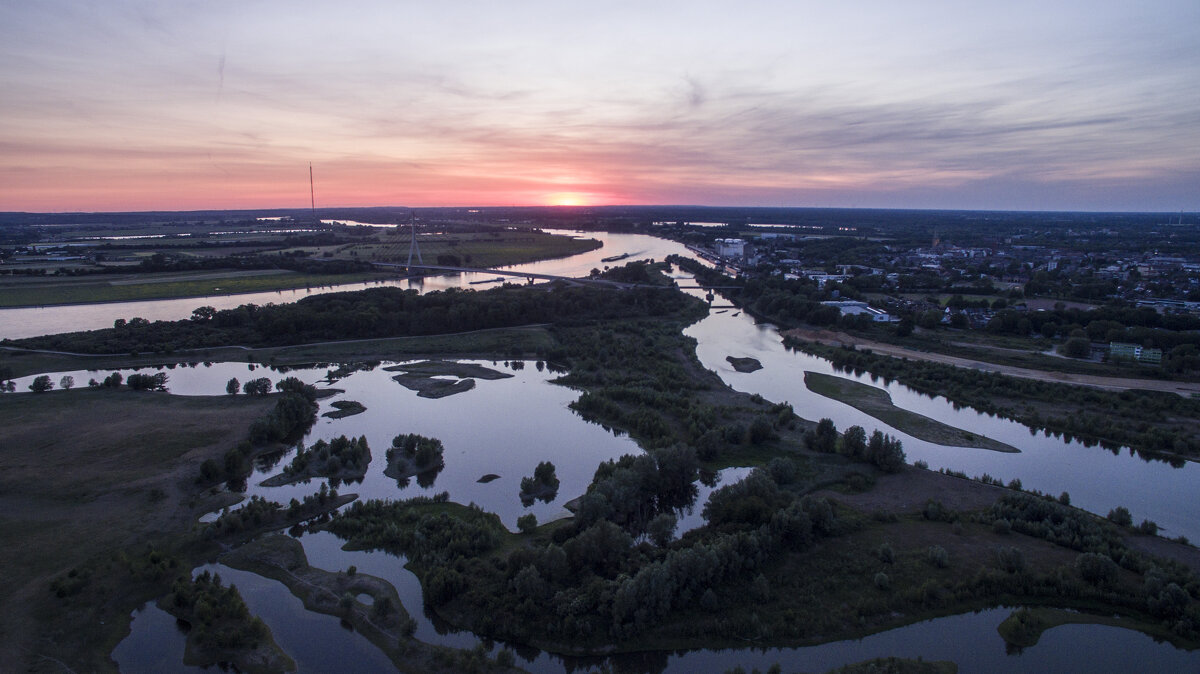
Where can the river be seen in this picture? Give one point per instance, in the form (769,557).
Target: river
(518,421)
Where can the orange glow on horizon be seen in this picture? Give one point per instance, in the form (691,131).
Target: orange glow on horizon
(567,199)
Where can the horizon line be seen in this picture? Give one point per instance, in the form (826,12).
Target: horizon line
(607,207)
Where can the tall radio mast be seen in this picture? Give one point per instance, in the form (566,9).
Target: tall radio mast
(312,195)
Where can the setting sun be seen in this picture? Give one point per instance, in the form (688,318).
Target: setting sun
(567,199)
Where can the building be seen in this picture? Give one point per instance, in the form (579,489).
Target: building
(853,307)
(730,248)
(1126,351)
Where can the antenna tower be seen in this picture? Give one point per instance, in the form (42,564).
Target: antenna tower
(312,194)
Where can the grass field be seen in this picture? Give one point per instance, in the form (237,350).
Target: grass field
(87,475)
(475,249)
(878,404)
(166,286)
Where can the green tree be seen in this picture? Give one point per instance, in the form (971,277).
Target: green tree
(41,384)
(259,387)
(232,386)
(1077,347)
(527,523)
(662,529)
(929,319)
(66,382)
(854,442)
(201,314)
(824,438)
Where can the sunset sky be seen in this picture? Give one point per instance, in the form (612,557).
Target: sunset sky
(1063,105)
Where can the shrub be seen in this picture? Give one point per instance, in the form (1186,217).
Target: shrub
(885,553)
(1011,560)
(938,556)
(882,581)
(1120,516)
(527,523)
(1097,569)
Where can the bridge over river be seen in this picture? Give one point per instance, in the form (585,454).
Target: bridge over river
(504,272)
(607,283)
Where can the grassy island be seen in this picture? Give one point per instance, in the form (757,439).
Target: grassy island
(342,458)
(878,403)
(413,454)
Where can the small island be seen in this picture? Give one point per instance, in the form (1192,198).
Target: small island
(222,629)
(543,485)
(342,459)
(424,377)
(345,408)
(744,364)
(412,454)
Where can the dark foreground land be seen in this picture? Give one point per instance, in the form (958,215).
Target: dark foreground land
(98,475)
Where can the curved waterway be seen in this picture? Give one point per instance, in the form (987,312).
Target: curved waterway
(506,426)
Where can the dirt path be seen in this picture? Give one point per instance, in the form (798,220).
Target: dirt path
(831,338)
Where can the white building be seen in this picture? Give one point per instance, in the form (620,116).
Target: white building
(853,307)
(730,247)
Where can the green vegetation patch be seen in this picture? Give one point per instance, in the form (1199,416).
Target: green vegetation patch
(222,629)
(345,408)
(342,458)
(878,404)
(412,454)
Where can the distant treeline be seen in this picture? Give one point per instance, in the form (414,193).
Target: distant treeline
(297,261)
(371,313)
